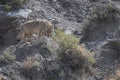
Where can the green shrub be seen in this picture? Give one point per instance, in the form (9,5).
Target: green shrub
(7,57)
(69,43)
(65,41)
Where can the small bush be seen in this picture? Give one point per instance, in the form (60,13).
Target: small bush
(7,57)
(69,43)
(66,41)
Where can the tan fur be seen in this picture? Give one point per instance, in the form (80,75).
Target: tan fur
(41,28)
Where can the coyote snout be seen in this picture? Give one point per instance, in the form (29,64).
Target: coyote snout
(21,36)
(38,27)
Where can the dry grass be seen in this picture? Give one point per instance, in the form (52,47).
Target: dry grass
(29,63)
(86,53)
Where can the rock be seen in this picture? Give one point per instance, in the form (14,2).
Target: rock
(109,53)
(51,45)
(8,30)
(20,13)
(13,71)
(70,32)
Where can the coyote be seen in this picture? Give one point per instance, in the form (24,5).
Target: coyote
(38,27)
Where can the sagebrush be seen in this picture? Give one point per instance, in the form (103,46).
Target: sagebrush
(65,41)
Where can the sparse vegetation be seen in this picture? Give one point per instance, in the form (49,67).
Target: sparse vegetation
(101,15)
(101,11)
(70,42)
(12,4)
(7,57)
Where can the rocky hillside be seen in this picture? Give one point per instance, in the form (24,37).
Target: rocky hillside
(84,46)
